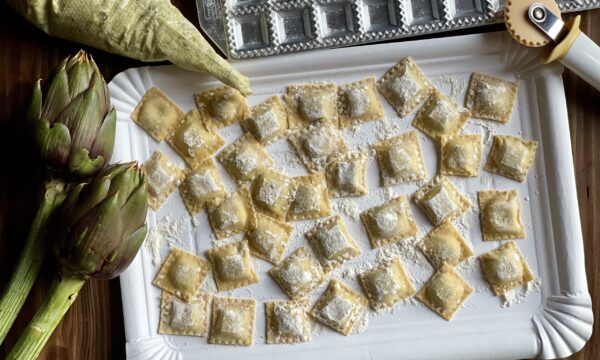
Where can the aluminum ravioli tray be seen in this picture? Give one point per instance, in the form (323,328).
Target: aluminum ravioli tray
(554,321)
(254,28)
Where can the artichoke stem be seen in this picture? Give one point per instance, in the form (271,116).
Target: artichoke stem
(58,300)
(31,259)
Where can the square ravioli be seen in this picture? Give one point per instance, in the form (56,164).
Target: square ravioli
(505,268)
(500,214)
(287,322)
(445,292)
(389,222)
(157,114)
(202,187)
(317,146)
(460,155)
(162,178)
(232,321)
(222,106)
(404,86)
(339,307)
(181,274)
(346,175)
(245,158)
(234,215)
(441,200)
(194,140)
(491,98)
(332,243)
(268,121)
(272,193)
(440,116)
(311,198)
(444,244)
(310,104)
(386,284)
(298,274)
(511,156)
(400,159)
(269,238)
(181,318)
(232,266)
(358,102)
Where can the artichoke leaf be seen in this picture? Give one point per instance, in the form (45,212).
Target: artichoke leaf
(135,209)
(57,95)
(81,164)
(105,139)
(79,73)
(120,259)
(54,142)
(34,111)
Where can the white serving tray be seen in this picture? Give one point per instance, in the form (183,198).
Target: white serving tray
(555,321)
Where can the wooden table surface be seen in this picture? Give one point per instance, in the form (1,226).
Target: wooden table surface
(93,328)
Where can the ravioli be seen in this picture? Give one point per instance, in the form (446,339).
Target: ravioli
(268,121)
(202,187)
(298,274)
(505,268)
(400,159)
(273,193)
(444,244)
(346,176)
(317,146)
(183,318)
(500,214)
(234,215)
(339,307)
(268,240)
(310,104)
(511,156)
(332,243)
(386,284)
(162,178)
(181,274)
(491,98)
(232,266)
(245,158)
(157,114)
(441,200)
(311,198)
(440,116)
(404,86)
(222,106)
(389,222)
(287,322)
(358,102)
(232,321)
(445,292)
(460,155)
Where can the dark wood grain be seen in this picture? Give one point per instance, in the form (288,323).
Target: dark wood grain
(93,328)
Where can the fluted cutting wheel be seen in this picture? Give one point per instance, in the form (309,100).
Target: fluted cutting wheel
(520,27)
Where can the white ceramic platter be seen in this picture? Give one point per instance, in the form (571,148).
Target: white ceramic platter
(552,321)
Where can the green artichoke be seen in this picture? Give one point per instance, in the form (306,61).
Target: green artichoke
(73,121)
(102,224)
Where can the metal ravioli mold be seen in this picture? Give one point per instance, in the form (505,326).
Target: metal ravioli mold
(254,28)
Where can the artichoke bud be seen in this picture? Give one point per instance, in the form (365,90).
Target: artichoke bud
(102,224)
(72,120)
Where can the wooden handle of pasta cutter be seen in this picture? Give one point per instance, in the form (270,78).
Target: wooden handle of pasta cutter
(578,53)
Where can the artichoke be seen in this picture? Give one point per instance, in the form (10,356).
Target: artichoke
(99,230)
(72,119)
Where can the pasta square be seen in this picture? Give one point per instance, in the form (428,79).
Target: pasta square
(339,307)
(287,322)
(346,176)
(232,266)
(445,292)
(389,222)
(202,187)
(311,199)
(358,102)
(298,274)
(332,243)
(310,104)
(269,238)
(162,178)
(181,274)
(194,140)
(222,106)
(268,121)
(444,244)
(272,193)
(181,318)
(404,86)
(400,159)
(157,114)
(386,284)
(491,98)
(441,200)
(317,146)
(511,156)
(232,321)
(245,158)
(505,268)
(500,213)
(234,215)
(440,116)
(460,155)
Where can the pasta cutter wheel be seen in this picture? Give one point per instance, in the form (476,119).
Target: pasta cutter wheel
(538,23)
